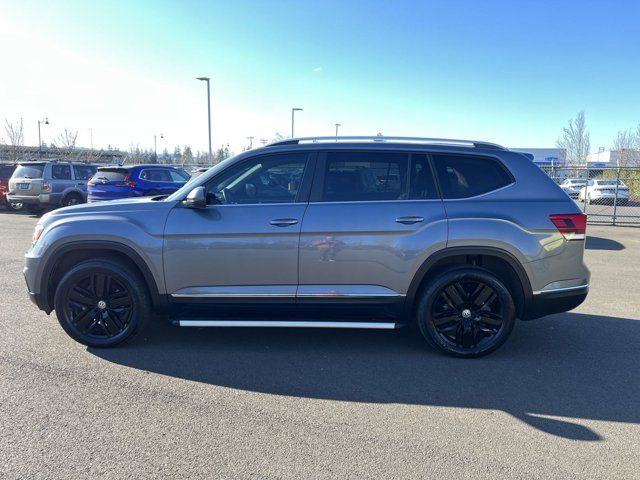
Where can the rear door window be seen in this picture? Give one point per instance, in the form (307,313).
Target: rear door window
(464,176)
(365,176)
(60,172)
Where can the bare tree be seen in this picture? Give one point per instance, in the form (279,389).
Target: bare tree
(625,146)
(67,139)
(575,141)
(15,139)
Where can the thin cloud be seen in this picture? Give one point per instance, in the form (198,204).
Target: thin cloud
(317,69)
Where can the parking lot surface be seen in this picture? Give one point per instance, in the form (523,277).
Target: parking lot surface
(561,399)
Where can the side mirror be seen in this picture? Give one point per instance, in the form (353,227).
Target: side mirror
(196,198)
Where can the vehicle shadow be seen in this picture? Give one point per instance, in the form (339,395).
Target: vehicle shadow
(568,365)
(600,243)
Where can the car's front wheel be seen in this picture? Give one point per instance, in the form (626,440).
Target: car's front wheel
(466,312)
(102,303)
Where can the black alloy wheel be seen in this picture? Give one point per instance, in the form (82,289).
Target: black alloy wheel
(102,303)
(99,306)
(466,312)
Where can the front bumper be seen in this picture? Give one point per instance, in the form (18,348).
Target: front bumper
(30,276)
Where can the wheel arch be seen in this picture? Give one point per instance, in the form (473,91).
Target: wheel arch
(497,261)
(74,252)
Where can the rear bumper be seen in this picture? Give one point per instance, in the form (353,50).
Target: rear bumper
(555,301)
(42,199)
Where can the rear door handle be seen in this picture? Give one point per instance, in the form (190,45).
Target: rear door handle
(409,220)
(283,222)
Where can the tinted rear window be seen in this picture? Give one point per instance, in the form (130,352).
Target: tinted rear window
(111,174)
(29,171)
(464,176)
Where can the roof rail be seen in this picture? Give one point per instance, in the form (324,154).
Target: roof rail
(379,138)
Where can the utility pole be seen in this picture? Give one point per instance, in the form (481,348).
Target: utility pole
(337,126)
(207,79)
(46,122)
(293,112)
(250,142)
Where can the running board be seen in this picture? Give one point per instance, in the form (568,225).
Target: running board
(284,324)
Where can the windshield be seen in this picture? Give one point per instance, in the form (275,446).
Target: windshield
(199,180)
(609,182)
(29,171)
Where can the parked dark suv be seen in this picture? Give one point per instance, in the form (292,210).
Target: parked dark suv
(458,238)
(6,170)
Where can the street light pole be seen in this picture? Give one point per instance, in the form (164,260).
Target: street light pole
(250,142)
(207,79)
(155,147)
(46,122)
(293,112)
(337,125)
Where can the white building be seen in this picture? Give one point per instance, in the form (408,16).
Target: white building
(545,156)
(611,158)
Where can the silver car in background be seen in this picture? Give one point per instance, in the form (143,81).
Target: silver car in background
(40,185)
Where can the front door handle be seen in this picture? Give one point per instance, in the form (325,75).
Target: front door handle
(283,222)
(409,220)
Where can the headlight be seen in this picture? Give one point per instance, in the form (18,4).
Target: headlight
(36,234)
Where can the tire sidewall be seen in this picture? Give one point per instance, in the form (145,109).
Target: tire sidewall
(122,274)
(430,294)
(65,200)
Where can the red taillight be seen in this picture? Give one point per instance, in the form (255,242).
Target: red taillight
(126,182)
(91,184)
(572,226)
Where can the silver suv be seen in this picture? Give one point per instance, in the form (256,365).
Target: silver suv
(457,238)
(39,185)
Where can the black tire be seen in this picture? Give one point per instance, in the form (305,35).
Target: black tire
(71,199)
(34,209)
(124,313)
(473,319)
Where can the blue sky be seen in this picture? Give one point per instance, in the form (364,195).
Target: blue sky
(510,72)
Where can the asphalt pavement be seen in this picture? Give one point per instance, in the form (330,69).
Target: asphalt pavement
(560,400)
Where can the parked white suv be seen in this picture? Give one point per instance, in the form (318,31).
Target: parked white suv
(604,191)
(572,186)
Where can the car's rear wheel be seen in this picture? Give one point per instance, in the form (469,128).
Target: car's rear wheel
(466,312)
(35,209)
(71,199)
(102,303)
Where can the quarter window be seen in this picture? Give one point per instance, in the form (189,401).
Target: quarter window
(365,176)
(265,179)
(83,172)
(464,176)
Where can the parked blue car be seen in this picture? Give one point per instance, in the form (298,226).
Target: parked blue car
(111,183)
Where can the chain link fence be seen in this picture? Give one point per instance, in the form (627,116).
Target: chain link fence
(608,195)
